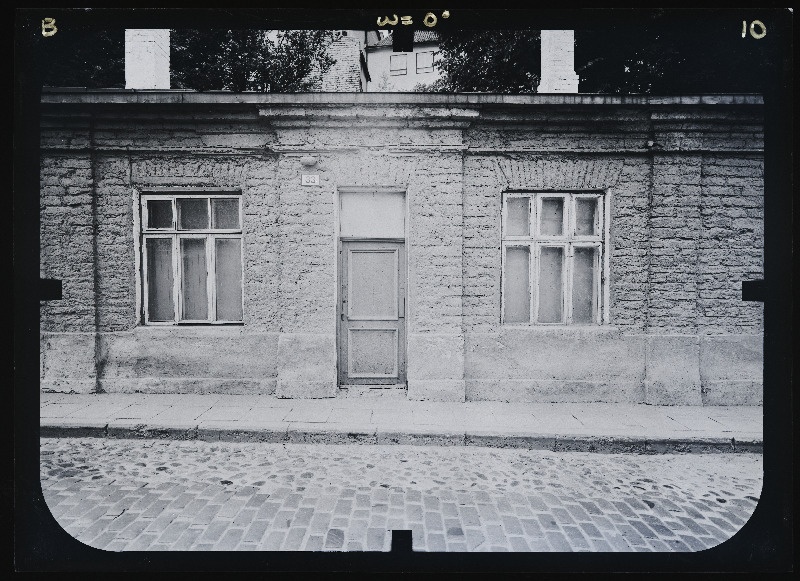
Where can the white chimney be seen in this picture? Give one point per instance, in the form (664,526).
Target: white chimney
(146,58)
(558,62)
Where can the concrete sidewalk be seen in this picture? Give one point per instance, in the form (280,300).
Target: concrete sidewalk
(598,427)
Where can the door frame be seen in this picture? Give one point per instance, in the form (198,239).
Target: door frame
(337,247)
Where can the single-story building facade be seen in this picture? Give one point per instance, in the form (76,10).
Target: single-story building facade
(554,248)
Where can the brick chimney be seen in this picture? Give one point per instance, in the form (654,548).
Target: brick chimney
(146,58)
(558,62)
(347,74)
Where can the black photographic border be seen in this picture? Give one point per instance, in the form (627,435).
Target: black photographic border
(765,543)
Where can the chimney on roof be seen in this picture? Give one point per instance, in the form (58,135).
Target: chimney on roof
(558,62)
(146,58)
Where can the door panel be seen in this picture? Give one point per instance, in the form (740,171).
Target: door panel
(372,353)
(371,336)
(372,284)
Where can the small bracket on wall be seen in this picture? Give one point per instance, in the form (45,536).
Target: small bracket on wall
(49,289)
(753,290)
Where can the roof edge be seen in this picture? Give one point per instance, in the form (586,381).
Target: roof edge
(56,95)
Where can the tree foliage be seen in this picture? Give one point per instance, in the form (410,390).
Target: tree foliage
(665,54)
(672,55)
(204,60)
(81,56)
(492,61)
(662,55)
(250,60)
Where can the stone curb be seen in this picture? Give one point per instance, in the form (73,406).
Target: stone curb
(413,436)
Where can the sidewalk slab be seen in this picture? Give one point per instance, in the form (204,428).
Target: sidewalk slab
(224,413)
(177,413)
(598,427)
(140,411)
(265,414)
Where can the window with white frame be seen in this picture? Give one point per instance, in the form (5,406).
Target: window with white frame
(552,258)
(425,62)
(191,258)
(397,64)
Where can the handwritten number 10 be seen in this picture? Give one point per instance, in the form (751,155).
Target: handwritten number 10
(753,25)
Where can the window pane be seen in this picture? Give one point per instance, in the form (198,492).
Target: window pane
(552,218)
(551,265)
(517,288)
(397,64)
(192,213)
(229,279)
(159,279)
(517,216)
(159,214)
(224,213)
(583,285)
(195,274)
(425,61)
(585,216)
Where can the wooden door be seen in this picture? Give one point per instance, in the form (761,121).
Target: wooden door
(372,334)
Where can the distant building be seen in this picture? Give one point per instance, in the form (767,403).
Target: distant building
(365,62)
(402,71)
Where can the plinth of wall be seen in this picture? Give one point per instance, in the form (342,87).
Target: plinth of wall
(67,362)
(306,365)
(555,365)
(673,370)
(188,360)
(436,367)
(732,369)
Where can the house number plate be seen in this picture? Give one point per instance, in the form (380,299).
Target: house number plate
(310,180)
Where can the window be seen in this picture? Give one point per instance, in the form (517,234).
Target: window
(397,64)
(425,62)
(191,258)
(552,257)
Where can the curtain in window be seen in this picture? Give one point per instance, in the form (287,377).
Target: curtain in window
(518,296)
(159,279)
(195,276)
(229,279)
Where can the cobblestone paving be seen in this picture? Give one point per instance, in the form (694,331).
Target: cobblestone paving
(122,495)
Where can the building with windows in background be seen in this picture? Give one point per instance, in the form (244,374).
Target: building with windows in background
(402,71)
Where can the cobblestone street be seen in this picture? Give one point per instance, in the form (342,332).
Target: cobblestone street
(123,495)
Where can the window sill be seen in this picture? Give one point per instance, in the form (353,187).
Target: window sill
(191,330)
(157,324)
(564,330)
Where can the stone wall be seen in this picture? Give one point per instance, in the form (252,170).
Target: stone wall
(684,181)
